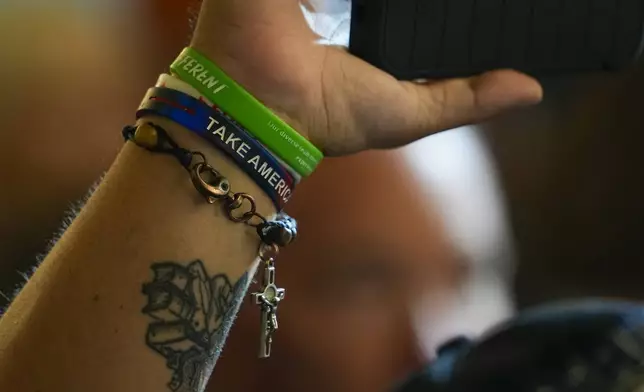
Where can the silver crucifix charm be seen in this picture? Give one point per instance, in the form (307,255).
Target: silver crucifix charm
(268,300)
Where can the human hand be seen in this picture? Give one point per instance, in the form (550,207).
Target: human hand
(336,100)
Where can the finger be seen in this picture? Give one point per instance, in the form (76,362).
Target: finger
(455,102)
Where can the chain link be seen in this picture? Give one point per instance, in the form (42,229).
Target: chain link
(236,202)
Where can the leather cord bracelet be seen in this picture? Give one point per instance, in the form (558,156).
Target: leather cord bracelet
(275,233)
(195,69)
(212,125)
(174,83)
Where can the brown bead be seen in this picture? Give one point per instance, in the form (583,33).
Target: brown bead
(146,136)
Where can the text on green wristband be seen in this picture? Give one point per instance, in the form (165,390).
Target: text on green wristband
(194,68)
(278,136)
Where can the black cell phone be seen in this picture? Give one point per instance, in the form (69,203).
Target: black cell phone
(414,39)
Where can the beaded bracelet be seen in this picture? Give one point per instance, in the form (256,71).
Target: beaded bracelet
(194,68)
(275,233)
(174,83)
(210,124)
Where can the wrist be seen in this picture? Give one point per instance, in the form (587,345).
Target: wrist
(239,180)
(197,115)
(270,129)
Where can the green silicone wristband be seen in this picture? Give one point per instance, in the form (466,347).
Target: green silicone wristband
(196,70)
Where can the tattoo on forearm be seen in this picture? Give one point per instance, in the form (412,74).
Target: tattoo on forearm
(191,314)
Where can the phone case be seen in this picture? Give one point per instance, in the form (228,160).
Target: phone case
(446,38)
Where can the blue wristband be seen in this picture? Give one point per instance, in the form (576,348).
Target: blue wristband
(226,135)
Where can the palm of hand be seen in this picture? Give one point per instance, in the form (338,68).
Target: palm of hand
(339,102)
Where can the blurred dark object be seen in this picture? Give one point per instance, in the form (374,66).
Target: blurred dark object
(590,347)
(434,39)
(573,170)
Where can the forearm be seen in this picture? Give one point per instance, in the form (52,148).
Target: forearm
(82,310)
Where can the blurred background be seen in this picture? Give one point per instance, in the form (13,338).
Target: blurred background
(561,187)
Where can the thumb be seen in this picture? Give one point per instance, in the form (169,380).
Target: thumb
(455,102)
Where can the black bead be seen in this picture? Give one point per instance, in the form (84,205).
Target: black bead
(278,232)
(288,221)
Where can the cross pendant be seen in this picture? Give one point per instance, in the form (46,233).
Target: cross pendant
(267,300)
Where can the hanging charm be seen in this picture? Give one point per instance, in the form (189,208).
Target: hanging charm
(268,299)
(240,207)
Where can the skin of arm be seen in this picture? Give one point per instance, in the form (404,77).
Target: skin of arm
(139,292)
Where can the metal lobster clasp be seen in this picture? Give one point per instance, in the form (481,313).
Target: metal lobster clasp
(212,185)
